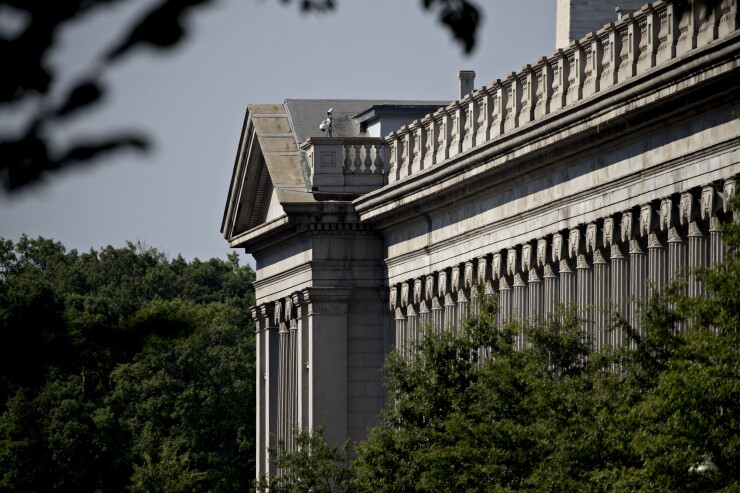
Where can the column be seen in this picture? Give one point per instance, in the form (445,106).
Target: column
(601,301)
(283,334)
(327,360)
(411,331)
(409,328)
(293,393)
(519,292)
(535,288)
(270,355)
(709,210)
(656,245)
(551,288)
(431,294)
(459,293)
(260,394)
(638,268)
(619,289)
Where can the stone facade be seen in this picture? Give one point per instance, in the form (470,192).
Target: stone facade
(587,178)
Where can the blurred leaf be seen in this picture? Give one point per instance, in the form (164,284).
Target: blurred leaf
(82,95)
(85,151)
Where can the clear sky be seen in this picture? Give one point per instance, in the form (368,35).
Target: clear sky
(191,100)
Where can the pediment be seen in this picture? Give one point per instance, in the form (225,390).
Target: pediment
(268,160)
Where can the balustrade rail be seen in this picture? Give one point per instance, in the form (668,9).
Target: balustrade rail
(656,34)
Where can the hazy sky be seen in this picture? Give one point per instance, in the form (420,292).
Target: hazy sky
(191,100)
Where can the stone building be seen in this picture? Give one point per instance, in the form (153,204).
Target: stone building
(588,177)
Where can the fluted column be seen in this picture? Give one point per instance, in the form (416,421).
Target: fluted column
(708,210)
(444,281)
(269,351)
(638,269)
(460,296)
(283,334)
(550,286)
(411,331)
(260,394)
(599,305)
(657,251)
(677,243)
(469,287)
(293,366)
(535,288)
(430,293)
(519,293)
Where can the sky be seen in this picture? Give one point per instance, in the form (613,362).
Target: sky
(191,100)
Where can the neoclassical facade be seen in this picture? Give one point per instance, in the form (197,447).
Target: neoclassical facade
(586,178)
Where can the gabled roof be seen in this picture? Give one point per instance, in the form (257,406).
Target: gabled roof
(269,157)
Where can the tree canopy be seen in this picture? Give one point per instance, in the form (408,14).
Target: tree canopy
(124,370)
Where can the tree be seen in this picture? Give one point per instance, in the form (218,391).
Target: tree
(122,368)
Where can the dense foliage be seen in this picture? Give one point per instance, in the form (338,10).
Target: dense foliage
(124,370)
(558,416)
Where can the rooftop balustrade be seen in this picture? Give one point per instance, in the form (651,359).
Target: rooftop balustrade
(656,34)
(345,164)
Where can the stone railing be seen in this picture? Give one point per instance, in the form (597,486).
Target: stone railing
(655,34)
(345,164)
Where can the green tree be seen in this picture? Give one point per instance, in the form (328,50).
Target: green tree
(119,364)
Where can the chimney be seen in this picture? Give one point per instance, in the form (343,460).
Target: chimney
(467,82)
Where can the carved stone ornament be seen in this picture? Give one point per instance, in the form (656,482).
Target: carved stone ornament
(714,224)
(278,312)
(404,294)
(564,267)
(423,306)
(686,208)
(646,220)
(519,281)
(548,271)
(599,257)
(462,297)
(399,314)
(503,284)
(468,275)
(393,297)
(729,191)
(635,246)
(496,267)
(442,283)
(435,304)
(410,311)
(541,252)
(557,247)
(288,308)
(592,237)
(574,243)
(533,276)
(695,230)
(417,290)
(449,301)
(429,287)
(526,257)
(455,284)
(626,229)
(511,268)
(581,262)
(616,252)
(666,214)
(654,241)
(482,270)
(707,202)
(609,232)
(674,236)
